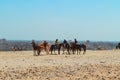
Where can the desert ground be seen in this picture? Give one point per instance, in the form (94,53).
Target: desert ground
(94,65)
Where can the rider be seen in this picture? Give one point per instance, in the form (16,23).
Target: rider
(32,42)
(65,42)
(45,43)
(75,41)
(56,42)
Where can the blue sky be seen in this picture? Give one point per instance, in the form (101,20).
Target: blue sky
(96,20)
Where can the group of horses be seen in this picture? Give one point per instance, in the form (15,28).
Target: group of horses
(71,47)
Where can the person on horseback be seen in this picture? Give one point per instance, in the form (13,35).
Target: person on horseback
(75,41)
(46,46)
(33,41)
(65,43)
(45,43)
(56,43)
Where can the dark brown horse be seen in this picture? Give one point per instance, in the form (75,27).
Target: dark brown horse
(82,46)
(58,47)
(77,47)
(40,47)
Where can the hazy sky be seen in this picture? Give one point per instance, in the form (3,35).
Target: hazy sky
(97,20)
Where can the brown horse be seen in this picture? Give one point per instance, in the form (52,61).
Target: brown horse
(45,46)
(77,47)
(40,47)
(59,46)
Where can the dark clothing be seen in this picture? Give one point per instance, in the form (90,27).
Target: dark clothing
(65,43)
(76,41)
(56,42)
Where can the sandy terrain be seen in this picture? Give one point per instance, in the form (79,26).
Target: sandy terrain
(94,65)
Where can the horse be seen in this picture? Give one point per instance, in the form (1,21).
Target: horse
(40,47)
(52,48)
(82,46)
(58,47)
(35,47)
(77,47)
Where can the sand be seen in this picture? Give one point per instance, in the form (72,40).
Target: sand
(94,65)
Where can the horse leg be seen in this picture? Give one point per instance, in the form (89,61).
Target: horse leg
(63,50)
(73,51)
(84,51)
(47,50)
(79,50)
(59,51)
(68,51)
(51,51)
(54,48)
(34,53)
(38,51)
